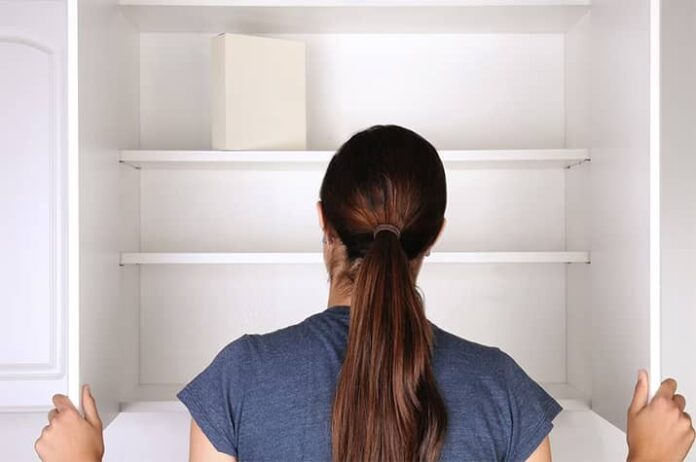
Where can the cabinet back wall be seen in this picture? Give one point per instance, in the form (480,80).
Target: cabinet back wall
(457,90)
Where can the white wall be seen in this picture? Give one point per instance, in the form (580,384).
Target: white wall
(492,91)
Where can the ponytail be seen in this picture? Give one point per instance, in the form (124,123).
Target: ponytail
(387,406)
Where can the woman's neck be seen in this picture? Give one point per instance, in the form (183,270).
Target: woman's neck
(339,300)
(339,296)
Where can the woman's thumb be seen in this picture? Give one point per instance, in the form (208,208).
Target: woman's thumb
(89,407)
(640,395)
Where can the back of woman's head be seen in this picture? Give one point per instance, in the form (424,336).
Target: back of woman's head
(387,405)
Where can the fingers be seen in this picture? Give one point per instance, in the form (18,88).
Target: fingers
(692,437)
(40,443)
(667,388)
(680,401)
(690,434)
(51,414)
(640,394)
(63,403)
(89,407)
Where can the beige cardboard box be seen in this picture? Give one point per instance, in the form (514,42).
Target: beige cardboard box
(258,93)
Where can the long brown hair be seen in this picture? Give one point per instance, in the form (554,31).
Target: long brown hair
(387,405)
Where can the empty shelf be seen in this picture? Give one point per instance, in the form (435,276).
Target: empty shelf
(153,258)
(508,158)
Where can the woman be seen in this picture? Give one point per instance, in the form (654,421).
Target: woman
(369,378)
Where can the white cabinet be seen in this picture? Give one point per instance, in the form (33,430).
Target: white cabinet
(565,126)
(184,248)
(547,254)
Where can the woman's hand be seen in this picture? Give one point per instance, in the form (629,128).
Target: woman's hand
(71,436)
(658,430)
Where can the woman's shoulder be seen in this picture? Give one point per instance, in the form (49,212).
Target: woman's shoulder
(486,378)
(484,383)
(279,344)
(484,369)
(458,351)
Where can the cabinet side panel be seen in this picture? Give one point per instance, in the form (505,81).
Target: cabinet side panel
(218,94)
(108,118)
(578,291)
(578,58)
(620,104)
(577,205)
(678,207)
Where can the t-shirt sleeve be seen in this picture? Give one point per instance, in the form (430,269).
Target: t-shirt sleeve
(215,395)
(532,411)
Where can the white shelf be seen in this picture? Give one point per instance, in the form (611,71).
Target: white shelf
(153,406)
(568,397)
(501,158)
(166,258)
(361,3)
(577,436)
(367,16)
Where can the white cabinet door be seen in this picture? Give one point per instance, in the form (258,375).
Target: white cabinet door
(678,196)
(33,206)
(623,268)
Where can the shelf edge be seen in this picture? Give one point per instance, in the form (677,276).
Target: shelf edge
(145,258)
(511,158)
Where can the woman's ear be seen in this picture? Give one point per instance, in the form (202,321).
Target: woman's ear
(442,227)
(437,238)
(320,212)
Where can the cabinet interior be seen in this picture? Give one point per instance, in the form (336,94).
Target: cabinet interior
(504,92)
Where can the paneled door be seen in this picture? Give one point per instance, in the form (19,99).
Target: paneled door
(33,205)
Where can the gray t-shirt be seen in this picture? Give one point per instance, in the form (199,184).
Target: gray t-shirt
(268,396)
